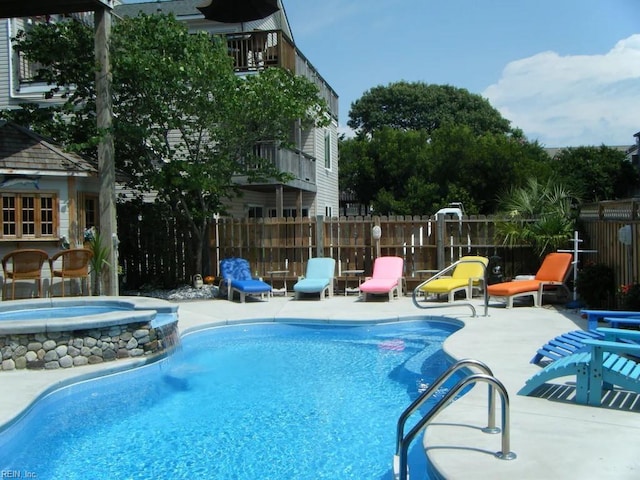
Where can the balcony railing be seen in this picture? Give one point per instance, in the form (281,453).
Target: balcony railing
(301,166)
(255,51)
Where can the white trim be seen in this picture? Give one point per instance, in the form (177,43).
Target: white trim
(10,57)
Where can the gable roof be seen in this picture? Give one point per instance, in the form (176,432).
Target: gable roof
(24,151)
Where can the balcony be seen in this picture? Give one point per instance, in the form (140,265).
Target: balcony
(301,166)
(255,51)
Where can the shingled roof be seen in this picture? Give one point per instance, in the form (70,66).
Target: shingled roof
(22,151)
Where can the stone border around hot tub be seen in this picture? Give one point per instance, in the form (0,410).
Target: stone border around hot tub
(75,341)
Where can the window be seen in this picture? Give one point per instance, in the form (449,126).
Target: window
(289,212)
(28,215)
(327,149)
(254,212)
(328,211)
(89,211)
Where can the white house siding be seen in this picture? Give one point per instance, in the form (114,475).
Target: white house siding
(327,179)
(5,56)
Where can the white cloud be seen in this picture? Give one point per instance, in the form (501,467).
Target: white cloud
(573,100)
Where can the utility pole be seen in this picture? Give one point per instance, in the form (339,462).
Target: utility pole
(106,160)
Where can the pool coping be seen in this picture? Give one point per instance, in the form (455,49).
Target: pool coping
(136,310)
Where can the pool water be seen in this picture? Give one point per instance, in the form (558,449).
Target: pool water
(86,310)
(260,401)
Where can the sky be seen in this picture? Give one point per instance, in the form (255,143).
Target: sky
(566,72)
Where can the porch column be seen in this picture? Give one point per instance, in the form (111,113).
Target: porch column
(299,204)
(279,201)
(73,234)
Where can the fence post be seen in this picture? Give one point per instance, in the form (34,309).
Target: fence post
(319,236)
(440,240)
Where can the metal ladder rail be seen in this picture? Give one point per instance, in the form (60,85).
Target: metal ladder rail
(468,304)
(400,460)
(428,393)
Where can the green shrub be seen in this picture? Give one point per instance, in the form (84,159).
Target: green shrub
(629,297)
(596,285)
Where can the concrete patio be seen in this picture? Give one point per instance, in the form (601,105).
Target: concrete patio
(552,437)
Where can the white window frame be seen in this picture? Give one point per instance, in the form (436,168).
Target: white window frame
(289,212)
(38,217)
(328,160)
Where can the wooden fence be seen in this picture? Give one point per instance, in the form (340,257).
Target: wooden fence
(157,251)
(424,243)
(600,225)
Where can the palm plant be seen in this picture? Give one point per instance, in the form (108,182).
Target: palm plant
(99,261)
(538,214)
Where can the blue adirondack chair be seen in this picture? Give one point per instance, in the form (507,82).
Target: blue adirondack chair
(614,317)
(565,344)
(601,366)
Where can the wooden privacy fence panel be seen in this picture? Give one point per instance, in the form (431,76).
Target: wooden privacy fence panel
(268,244)
(600,224)
(155,249)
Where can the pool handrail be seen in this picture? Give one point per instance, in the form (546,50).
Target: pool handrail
(468,304)
(400,464)
(428,393)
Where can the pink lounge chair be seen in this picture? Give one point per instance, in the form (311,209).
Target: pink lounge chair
(386,278)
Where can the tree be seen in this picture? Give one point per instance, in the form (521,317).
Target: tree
(420,106)
(539,214)
(411,173)
(65,53)
(420,146)
(185,125)
(379,170)
(598,173)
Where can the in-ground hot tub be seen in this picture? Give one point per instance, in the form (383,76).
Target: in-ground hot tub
(53,333)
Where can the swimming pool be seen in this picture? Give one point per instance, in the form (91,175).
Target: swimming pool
(252,401)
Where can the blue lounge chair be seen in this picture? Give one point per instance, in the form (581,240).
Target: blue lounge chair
(600,367)
(566,344)
(236,277)
(318,278)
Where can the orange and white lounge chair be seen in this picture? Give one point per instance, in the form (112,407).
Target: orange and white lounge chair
(553,272)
